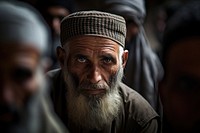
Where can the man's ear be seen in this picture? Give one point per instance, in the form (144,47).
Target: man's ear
(124,58)
(60,56)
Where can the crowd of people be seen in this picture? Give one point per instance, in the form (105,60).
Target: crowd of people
(72,66)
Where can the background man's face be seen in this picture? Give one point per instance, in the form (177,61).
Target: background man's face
(180,90)
(18,81)
(54,15)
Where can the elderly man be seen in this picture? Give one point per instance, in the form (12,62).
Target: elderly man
(180,87)
(87,92)
(24,107)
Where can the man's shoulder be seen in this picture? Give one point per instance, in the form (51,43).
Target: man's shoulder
(136,107)
(55,80)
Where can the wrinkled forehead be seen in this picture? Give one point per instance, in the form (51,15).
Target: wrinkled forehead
(10,50)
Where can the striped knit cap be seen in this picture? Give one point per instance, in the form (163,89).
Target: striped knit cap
(94,23)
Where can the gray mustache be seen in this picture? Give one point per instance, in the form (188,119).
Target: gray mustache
(93,86)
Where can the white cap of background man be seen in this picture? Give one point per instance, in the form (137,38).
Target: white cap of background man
(21,23)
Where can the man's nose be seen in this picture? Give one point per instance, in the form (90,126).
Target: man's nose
(94,74)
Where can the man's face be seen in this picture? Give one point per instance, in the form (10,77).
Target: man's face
(18,81)
(93,60)
(93,71)
(180,90)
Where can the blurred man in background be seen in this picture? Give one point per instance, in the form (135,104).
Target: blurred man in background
(53,12)
(24,104)
(180,87)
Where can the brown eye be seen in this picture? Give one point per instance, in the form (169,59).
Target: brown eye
(81,58)
(107,60)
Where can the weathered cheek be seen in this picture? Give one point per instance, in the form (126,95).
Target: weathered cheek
(111,73)
(114,69)
(30,88)
(78,73)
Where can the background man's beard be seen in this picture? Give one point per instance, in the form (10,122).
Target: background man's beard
(25,119)
(93,112)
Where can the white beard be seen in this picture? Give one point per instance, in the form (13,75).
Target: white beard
(93,112)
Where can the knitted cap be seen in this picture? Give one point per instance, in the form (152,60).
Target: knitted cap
(94,23)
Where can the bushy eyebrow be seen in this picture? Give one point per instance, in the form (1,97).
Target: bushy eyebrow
(81,55)
(102,56)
